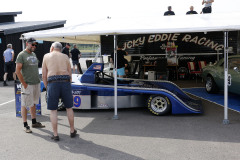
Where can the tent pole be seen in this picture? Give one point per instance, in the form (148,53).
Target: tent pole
(23,44)
(225,120)
(101,57)
(115,78)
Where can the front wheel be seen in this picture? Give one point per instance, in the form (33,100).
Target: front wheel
(210,85)
(60,103)
(159,104)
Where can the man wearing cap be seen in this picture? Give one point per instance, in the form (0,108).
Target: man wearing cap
(8,56)
(65,49)
(191,11)
(27,72)
(169,12)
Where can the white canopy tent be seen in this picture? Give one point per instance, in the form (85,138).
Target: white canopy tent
(90,33)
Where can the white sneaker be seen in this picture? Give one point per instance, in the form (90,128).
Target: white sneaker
(27,129)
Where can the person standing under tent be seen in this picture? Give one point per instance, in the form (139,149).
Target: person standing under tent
(75,54)
(208,6)
(57,79)
(27,72)
(191,11)
(65,49)
(9,66)
(169,12)
(120,60)
(127,67)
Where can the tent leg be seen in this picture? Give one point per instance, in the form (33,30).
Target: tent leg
(101,56)
(23,44)
(115,117)
(225,120)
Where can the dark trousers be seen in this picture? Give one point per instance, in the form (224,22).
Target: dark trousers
(79,68)
(9,67)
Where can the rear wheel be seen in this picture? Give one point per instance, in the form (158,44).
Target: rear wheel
(159,104)
(210,85)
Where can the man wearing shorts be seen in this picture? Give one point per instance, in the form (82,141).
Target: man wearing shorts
(57,78)
(120,60)
(75,54)
(27,72)
(9,67)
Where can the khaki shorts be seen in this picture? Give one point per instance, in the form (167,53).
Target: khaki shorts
(30,95)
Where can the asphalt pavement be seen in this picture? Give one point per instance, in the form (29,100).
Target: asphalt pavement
(136,135)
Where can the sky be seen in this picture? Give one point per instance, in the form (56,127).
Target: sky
(80,11)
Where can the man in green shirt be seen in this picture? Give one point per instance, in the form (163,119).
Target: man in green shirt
(27,72)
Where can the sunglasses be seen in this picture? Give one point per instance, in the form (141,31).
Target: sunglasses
(34,44)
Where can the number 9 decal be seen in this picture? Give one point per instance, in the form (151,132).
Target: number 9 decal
(76,101)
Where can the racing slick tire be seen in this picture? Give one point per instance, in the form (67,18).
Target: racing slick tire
(210,85)
(159,105)
(60,103)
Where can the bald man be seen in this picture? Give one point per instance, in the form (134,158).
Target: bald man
(191,11)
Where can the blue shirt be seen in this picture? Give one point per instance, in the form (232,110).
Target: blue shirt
(8,54)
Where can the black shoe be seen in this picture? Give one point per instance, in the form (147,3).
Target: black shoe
(72,135)
(38,125)
(55,138)
(5,84)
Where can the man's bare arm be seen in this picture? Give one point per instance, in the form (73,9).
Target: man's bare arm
(44,73)
(70,71)
(12,55)
(19,74)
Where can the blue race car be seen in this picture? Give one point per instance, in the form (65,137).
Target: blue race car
(95,90)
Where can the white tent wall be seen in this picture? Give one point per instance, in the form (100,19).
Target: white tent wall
(90,32)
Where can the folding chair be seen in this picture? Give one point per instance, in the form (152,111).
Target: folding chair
(192,69)
(201,64)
